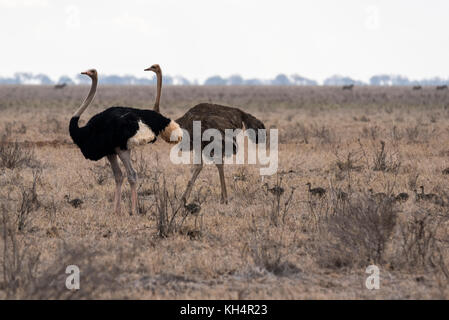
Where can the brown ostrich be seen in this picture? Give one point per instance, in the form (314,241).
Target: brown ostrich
(318,191)
(211,116)
(401,197)
(432,197)
(60,85)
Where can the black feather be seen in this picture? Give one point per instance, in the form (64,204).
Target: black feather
(112,128)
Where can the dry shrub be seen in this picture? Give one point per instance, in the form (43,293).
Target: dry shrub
(385,160)
(372,133)
(396,134)
(11,128)
(12,155)
(298,132)
(324,134)
(24,276)
(28,202)
(412,133)
(96,277)
(303,132)
(269,250)
(417,134)
(22,199)
(170,213)
(412,180)
(349,162)
(245,186)
(18,262)
(53,125)
(278,211)
(423,241)
(355,233)
(148,175)
(364,119)
(101,173)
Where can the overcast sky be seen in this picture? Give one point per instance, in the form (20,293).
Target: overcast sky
(253,38)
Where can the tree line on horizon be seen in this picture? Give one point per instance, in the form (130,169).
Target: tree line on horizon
(236,80)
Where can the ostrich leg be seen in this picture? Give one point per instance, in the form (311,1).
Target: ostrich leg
(224,194)
(196,171)
(118,182)
(125,156)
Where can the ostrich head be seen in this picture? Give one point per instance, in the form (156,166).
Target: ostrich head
(155,68)
(91,73)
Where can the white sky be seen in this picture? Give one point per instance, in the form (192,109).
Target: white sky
(253,38)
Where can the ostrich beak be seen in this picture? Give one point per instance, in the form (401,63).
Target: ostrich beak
(84,72)
(148,69)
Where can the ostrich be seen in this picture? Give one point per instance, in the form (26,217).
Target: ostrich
(430,196)
(442,87)
(348,87)
(76,203)
(211,116)
(401,197)
(417,87)
(320,192)
(114,132)
(276,190)
(60,85)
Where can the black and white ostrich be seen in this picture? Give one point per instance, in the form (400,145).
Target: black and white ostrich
(212,116)
(114,132)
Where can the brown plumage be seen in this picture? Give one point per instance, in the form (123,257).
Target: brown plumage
(193,208)
(276,190)
(320,192)
(211,116)
(402,197)
(431,197)
(76,203)
(60,85)
(215,116)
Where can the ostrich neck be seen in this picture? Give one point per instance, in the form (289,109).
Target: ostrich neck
(159,88)
(89,98)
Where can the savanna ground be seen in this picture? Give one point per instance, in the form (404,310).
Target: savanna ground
(259,246)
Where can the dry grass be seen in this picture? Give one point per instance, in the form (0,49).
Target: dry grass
(287,245)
